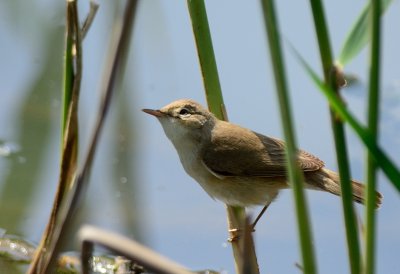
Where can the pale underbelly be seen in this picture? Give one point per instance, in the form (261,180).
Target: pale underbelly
(236,191)
(240,191)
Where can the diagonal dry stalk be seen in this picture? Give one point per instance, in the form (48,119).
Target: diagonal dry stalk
(73,76)
(138,253)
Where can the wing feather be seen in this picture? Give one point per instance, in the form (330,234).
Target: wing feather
(236,151)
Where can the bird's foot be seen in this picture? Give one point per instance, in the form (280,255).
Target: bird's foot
(234,234)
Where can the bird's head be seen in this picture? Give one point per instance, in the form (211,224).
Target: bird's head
(184,119)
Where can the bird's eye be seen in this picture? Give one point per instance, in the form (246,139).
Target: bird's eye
(184,112)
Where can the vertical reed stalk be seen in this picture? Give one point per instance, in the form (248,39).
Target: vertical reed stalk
(331,79)
(295,175)
(201,31)
(373,111)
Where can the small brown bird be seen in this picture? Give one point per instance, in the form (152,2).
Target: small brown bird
(238,166)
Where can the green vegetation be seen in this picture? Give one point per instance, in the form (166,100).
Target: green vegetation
(74,175)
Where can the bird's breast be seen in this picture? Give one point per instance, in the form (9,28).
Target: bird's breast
(235,190)
(189,156)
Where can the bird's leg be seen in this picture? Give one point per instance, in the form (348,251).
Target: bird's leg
(253,226)
(235,232)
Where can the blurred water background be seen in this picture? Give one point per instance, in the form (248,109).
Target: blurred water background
(138,187)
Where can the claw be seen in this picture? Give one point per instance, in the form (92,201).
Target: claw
(234,234)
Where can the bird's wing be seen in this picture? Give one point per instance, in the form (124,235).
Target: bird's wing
(236,151)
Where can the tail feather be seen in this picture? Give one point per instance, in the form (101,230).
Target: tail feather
(329,181)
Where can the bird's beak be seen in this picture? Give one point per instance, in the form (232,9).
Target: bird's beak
(154,112)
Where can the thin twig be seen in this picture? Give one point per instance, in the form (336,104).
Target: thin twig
(89,18)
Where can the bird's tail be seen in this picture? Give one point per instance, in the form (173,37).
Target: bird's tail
(329,181)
